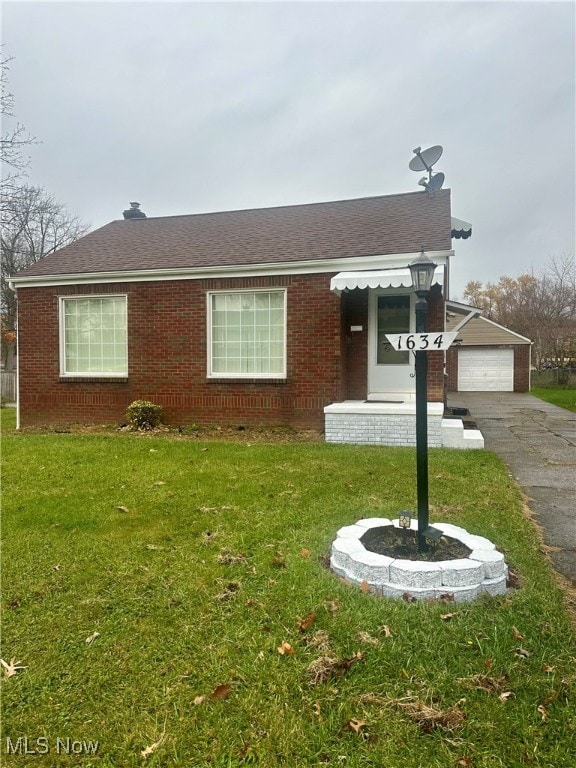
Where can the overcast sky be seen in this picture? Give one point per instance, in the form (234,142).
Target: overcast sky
(192,107)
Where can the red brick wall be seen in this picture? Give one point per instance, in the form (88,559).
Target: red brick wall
(522,368)
(167,358)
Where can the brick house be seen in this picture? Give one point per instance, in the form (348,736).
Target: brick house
(255,317)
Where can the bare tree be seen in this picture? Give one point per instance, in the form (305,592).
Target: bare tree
(34,225)
(540,306)
(13,142)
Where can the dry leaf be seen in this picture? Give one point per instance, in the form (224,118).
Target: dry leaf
(447,616)
(522,652)
(123,509)
(485,682)
(152,748)
(278,560)
(92,637)
(366,637)
(57,567)
(517,634)
(429,718)
(286,649)
(465,762)
(505,695)
(221,692)
(332,606)
(385,630)
(408,598)
(364,586)
(316,710)
(12,668)
(543,713)
(304,553)
(306,622)
(159,482)
(549,668)
(199,699)
(356,725)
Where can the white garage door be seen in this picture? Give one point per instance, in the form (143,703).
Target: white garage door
(489,369)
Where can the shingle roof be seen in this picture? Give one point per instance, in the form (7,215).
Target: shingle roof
(348,228)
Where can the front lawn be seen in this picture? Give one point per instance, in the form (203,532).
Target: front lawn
(169,599)
(563,397)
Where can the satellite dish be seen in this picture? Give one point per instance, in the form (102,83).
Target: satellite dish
(434,183)
(425,160)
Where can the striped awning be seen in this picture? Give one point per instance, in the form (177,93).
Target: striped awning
(461,229)
(380,278)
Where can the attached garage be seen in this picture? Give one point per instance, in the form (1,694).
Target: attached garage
(486,356)
(480,370)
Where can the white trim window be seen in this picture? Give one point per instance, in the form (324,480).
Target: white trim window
(247,334)
(93,336)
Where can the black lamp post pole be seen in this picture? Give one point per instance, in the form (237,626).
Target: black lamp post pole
(421,371)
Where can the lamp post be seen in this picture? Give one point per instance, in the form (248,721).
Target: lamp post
(422,271)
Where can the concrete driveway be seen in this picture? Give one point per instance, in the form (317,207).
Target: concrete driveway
(538,443)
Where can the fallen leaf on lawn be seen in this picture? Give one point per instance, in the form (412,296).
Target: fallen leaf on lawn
(505,695)
(152,748)
(319,640)
(153,450)
(323,668)
(549,668)
(356,725)
(488,663)
(465,762)
(159,482)
(57,567)
(512,582)
(385,630)
(122,508)
(92,637)
(278,560)
(364,586)
(221,692)
(543,713)
(429,718)
(12,668)
(484,682)
(553,695)
(447,616)
(408,598)
(517,634)
(447,597)
(304,553)
(152,547)
(286,649)
(366,637)
(522,652)
(306,622)
(199,699)
(316,710)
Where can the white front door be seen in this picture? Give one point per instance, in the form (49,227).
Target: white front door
(390,373)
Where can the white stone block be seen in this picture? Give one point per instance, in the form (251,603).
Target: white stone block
(460,594)
(415,573)
(350,532)
(493,561)
(396,591)
(479,542)
(461,573)
(494,586)
(373,522)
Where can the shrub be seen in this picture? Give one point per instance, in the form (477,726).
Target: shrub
(144,415)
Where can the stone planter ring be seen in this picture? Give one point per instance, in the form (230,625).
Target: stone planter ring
(482,572)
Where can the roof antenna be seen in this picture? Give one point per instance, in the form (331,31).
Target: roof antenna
(424,162)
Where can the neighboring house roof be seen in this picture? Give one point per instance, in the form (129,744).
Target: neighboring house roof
(478,330)
(320,231)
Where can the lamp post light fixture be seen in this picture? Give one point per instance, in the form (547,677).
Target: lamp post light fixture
(422,271)
(404,521)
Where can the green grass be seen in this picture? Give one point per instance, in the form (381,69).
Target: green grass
(217,558)
(563,397)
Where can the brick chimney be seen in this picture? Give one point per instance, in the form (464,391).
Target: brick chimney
(134,212)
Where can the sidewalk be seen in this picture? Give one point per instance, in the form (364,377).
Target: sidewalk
(537,441)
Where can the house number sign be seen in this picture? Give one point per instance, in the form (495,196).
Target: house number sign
(421,342)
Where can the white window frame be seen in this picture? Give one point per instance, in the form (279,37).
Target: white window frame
(62,333)
(250,374)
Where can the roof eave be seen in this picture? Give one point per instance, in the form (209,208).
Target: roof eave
(226,271)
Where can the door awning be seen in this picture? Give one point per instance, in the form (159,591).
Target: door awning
(461,229)
(381,278)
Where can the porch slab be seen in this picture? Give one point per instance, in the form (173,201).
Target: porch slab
(363,422)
